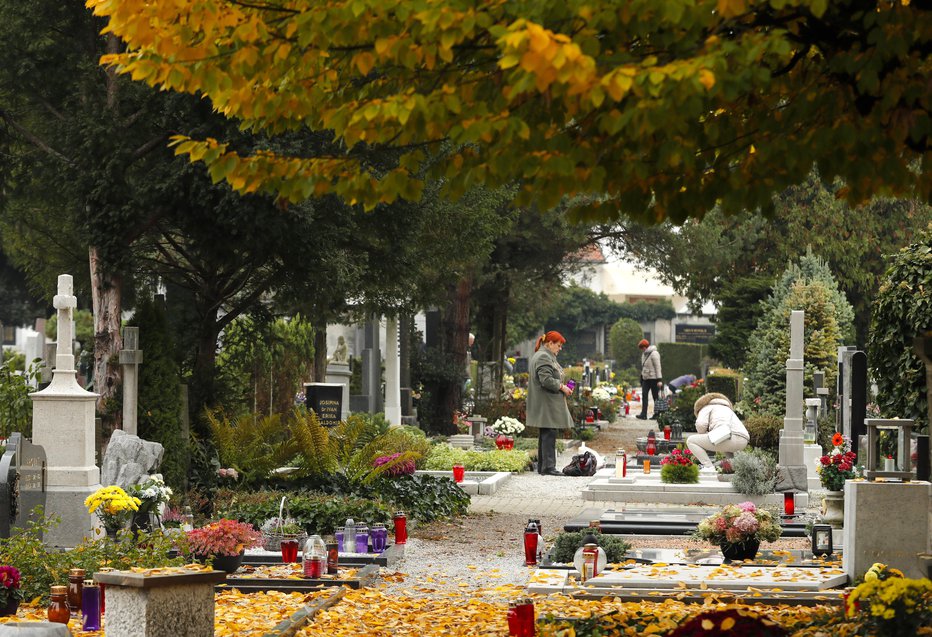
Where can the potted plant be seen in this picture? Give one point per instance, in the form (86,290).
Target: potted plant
(507,428)
(10,592)
(113,506)
(739,530)
(678,467)
(223,542)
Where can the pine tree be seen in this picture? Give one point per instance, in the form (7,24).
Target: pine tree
(770,345)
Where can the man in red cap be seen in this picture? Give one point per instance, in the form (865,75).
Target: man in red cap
(651,376)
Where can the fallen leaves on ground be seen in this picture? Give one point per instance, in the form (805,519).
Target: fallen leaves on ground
(287,571)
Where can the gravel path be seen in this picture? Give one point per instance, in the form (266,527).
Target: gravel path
(485,550)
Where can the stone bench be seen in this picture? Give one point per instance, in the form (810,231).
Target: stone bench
(157,604)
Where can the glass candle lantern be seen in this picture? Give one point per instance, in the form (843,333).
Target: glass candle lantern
(401,527)
(90,605)
(315,557)
(651,443)
(75,585)
(524,610)
(333,559)
(646,467)
(459,472)
(289,551)
(338,536)
(349,536)
(621,463)
(667,432)
(789,503)
(530,544)
(58,611)
(379,535)
(362,539)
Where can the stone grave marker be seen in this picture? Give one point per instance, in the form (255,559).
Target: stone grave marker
(521,365)
(130,359)
(792,470)
(22,482)
(326,400)
(853,394)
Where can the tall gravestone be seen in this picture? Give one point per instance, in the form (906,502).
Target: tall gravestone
(130,359)
(392,372)
(370,400)
(792,467)
(853,395)
(63,424)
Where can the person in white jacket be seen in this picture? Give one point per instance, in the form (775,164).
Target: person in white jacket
(718,430)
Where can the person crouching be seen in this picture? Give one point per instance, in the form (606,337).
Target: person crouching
(718,430)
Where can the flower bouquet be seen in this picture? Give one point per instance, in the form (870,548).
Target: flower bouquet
(10,592)
(508,426)
(113,506)
(739,529)
(151,493)
(888,604)
(837,465)
(678,468)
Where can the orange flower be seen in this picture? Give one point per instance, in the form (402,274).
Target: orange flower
(837,440)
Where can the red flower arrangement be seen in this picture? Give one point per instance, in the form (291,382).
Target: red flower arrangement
(9,585)
(837,465)
(678,468)
(224,537)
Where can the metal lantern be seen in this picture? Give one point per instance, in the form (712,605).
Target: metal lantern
(822,544)
(677,431)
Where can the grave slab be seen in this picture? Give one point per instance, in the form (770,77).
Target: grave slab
(475,482)
(647,488)
(666,521)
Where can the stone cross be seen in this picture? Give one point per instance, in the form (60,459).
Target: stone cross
(65,302)
(130,359)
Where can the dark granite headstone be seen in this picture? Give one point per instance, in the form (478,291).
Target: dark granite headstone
(521,365)
(22,482)
(326,400)
(858,397)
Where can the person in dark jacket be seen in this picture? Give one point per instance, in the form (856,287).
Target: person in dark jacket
(651,375)
(546,400)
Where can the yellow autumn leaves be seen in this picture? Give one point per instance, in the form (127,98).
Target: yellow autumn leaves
(554,58)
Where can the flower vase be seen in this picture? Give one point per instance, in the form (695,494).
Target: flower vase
(740,550)
(10,608)
(111,532)
(500,441)
(509,443)
(833,509)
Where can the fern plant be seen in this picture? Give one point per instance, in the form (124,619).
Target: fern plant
(253,445)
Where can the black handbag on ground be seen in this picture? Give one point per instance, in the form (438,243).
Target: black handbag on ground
(582,464)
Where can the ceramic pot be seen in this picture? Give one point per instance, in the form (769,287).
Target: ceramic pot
(12,604)
(833,509)
(742,551)
(228,563)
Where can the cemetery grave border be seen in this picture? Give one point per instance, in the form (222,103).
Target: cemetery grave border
(365,577)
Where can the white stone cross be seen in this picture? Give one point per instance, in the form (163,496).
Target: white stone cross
(130,359)
(65,302)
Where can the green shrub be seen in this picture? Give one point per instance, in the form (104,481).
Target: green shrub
(677,359)
(724,381)
(423,497)
(901,312)
(443,457)
(623,341)
(42,566)
(765,431)
(15,403)
(315,512)
(755,472)
(566,544)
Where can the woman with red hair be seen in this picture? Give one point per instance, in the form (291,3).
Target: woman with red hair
(546,400)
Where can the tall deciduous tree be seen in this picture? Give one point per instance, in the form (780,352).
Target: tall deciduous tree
(662,109)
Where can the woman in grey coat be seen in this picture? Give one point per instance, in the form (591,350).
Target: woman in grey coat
(546,400)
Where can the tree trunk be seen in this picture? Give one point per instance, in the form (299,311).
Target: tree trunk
(203,375)
(455,339)
(107,304)
(320,355)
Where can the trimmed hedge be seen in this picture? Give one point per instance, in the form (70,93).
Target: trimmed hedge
(677,359)
(765,431)
(725,381)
